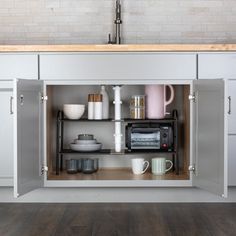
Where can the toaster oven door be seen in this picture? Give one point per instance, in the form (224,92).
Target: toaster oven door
(145,138)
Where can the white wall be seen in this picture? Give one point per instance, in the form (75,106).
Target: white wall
(144,21)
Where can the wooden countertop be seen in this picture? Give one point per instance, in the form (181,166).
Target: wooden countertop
(121,48)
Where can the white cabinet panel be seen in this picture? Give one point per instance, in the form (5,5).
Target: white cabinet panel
(27,135)
(232,160)
(217,66)
(117,66)
(232,107)
(6,136)
(18,66)
(210,136)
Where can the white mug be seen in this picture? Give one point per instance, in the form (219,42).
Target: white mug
(138,166)
(159,165)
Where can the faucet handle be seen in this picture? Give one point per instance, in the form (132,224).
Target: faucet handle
(109,39)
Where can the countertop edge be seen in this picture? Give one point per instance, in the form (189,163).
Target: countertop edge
(120,48)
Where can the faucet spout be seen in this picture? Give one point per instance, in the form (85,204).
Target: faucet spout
(118,23)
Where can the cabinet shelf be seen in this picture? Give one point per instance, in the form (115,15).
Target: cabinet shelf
(101,152)
(117,174)
(85,120)
(112,152)
(123,120)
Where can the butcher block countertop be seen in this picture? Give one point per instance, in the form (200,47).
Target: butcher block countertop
(120,48)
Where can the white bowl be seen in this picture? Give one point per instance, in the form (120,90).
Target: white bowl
(92,141)
(73,111)
(86,147)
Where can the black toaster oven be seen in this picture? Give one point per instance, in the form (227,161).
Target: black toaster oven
(150,136)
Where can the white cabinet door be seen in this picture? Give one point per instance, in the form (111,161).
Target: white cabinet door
(117,66)
(6,134)
(210,136)
(18,66)
(27,135)
(217,66)
(232,106)
(232,160)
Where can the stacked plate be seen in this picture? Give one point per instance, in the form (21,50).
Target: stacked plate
(85,143)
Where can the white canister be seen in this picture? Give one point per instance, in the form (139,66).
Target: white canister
(90,106)
(105,103)
(98,106)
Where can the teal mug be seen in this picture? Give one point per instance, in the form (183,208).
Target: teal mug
(159,165)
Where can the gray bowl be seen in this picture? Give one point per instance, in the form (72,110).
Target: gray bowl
(85,137)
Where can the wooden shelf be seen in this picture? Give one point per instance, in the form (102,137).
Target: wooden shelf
(117,174)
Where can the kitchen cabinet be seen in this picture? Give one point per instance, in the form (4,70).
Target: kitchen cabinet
(232,131)
(18,66)
(6,134)
(11,66)
(232,160)
(222,65)
(203,136)
(118,66)
(232,107)
(216,65)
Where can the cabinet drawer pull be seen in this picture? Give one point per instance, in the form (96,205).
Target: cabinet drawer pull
(229,99)
(11,103)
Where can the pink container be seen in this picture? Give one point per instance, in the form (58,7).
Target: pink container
(156,101)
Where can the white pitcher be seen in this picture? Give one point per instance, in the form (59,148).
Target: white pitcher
(156,101)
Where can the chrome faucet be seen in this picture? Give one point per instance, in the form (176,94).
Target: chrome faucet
(117,22)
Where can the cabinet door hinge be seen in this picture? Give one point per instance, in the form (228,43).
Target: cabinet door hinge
(192,168)
(192,97)
(44,169)
(44,98)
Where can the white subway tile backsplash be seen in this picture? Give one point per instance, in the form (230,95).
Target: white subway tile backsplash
(90,21)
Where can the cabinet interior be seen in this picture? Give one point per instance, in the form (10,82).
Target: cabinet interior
(111,166)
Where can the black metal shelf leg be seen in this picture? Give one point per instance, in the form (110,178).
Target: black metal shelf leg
(61,139)
(58,144)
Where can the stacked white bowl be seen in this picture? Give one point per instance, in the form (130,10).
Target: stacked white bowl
(73,111)
(85,143)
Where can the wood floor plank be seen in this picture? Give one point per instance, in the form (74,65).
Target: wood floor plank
(136,219)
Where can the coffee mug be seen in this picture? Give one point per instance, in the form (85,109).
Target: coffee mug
(159,165)
(138,166)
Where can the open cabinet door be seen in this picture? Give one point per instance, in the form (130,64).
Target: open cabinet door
(210,136)
(28,128)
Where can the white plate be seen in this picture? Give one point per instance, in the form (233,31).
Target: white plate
(86,147)
(85,142)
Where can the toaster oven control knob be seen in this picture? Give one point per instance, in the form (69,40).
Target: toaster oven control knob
(164,135)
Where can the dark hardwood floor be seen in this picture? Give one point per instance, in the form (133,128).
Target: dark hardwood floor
(118,219)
